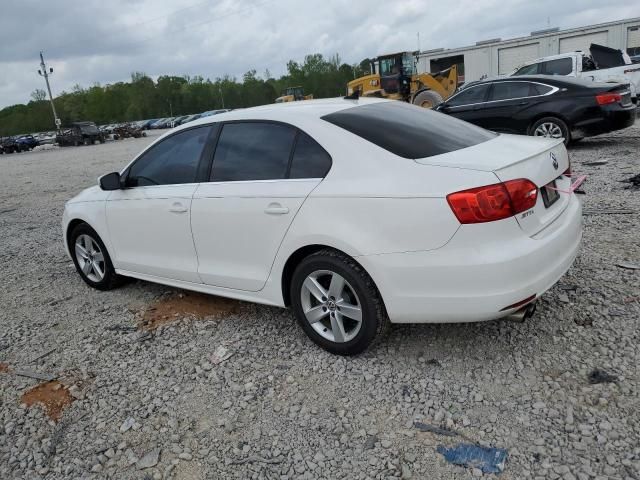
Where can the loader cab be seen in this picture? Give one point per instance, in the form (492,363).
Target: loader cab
(396,63)
(296,92)
(395,72)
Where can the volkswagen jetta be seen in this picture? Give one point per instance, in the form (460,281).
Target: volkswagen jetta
(352,212)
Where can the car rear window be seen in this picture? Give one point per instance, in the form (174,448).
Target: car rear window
(407,130)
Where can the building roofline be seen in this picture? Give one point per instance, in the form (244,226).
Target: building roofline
(440,52)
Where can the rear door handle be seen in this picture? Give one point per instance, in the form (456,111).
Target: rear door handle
(178,207)
(276,209)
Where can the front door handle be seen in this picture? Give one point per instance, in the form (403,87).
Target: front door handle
(276,209)
(178,207)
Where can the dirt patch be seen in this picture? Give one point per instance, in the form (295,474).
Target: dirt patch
(176,306)
(53,396)
(4,367)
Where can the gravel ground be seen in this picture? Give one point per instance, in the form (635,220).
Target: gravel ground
(153,404)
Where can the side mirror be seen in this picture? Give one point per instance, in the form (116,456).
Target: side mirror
(110,181)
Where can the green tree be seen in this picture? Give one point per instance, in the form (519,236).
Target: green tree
(141,97)
(38,95)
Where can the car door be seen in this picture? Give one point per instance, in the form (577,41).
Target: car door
(507,101)
(466,104)
(149,220)
(261,174)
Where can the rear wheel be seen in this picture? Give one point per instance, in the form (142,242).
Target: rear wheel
(551,127)
(427,99)
(91,258)
(336,303)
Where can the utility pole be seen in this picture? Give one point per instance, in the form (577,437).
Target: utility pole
(45,74)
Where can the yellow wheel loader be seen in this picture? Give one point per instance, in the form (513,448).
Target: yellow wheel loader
(395,77)
(293,94)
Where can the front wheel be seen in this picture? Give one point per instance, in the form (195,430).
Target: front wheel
(551,127)
(336,303)
(427,99)
(91,258)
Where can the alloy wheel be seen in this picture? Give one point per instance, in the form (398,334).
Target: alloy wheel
(90,258)
(549,130)
(331,306)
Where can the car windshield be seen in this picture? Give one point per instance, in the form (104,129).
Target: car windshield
(407,130)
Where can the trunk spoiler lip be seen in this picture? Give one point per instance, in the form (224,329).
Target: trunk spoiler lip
(433,161)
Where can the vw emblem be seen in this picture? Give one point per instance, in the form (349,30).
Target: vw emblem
(554,160)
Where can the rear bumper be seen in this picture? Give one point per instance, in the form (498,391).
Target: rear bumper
(478,273)
(613,118)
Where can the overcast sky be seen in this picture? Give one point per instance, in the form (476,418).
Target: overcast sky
(103,41)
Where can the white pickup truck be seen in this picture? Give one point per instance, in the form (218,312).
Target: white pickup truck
(603,65)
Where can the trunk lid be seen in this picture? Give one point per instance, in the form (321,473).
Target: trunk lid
(510,157)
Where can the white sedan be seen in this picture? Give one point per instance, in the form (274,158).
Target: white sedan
(351,212)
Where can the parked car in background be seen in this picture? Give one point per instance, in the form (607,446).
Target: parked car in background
(353,213)
(27,142)
(11,145)
(190,118)
(214,112)
(146,124)
(80,133)
(46,138)
(177,121)
(158,123)
(128,130)
(544,106)
(604,64)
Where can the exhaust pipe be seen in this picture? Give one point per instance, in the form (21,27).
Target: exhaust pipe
(522,314)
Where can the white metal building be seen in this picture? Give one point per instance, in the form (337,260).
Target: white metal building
(490,58)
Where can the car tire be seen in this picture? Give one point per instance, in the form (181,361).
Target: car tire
(322,313)
(551,127)
(427,99)
(96,268)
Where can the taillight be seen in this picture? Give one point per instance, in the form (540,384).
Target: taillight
(608,98)
(493,202)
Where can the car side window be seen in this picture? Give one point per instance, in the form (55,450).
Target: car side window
(475,94)
(252,151)
(532,69)
(509,90)
(310,160)
(559,66)
(172,161)
(539,89)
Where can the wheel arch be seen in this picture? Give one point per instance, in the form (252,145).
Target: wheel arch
(539,116)
(67,234)
(300,254)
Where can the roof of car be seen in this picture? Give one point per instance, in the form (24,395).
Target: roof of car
(276,111)
(554,57)
(550,79)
